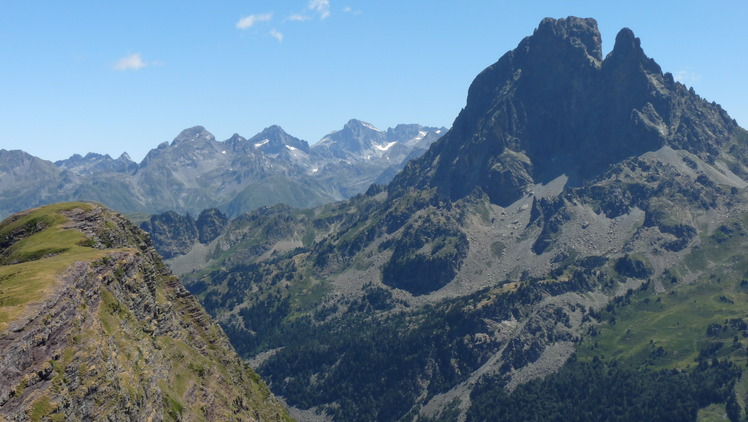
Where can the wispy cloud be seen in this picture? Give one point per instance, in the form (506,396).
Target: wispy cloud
(686,77)
(319,7)
(349,9)
(130,62)
(299,18)
(248,21)
(277,35)
(322,7)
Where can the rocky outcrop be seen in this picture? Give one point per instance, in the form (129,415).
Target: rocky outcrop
(172,233)
(210,224)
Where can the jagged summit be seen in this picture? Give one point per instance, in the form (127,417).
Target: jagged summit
(582,34)
(554,107)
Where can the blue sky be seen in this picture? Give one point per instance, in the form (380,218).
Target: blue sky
(110,77)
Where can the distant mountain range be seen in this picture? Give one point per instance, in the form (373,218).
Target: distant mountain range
(195,171)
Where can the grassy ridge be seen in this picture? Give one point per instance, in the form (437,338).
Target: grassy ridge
(29,266)
(126,339)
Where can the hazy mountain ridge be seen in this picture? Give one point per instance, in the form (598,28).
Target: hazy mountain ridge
(195,171)
(97,163)
(571,190)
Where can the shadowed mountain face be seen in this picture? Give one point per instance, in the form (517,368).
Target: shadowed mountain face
(554,106)
(581,209)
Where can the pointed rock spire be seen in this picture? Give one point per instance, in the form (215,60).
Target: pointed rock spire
(628,50)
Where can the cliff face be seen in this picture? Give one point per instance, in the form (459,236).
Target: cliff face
(98,328)
(173,234)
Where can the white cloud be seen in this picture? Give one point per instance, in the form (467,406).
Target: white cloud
(320,6)
(277,35)
(349,9)
(299,18)
(248,21)
(687,78)
(130,62)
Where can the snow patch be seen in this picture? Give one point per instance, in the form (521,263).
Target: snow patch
(384,147)
(421,134)
(290,148)
(261,143)
(223,152)
(370,126)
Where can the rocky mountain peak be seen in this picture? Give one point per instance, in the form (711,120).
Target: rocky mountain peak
(551,107)
(93,156)
(363,133)
(627,43)
(628,52)
(125,157)
(274,129)
(191,145)
(192,134)
(358,125)
(275,140)
(236,138)
(581,33)
(239,144)
(75,158)
(355,138)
